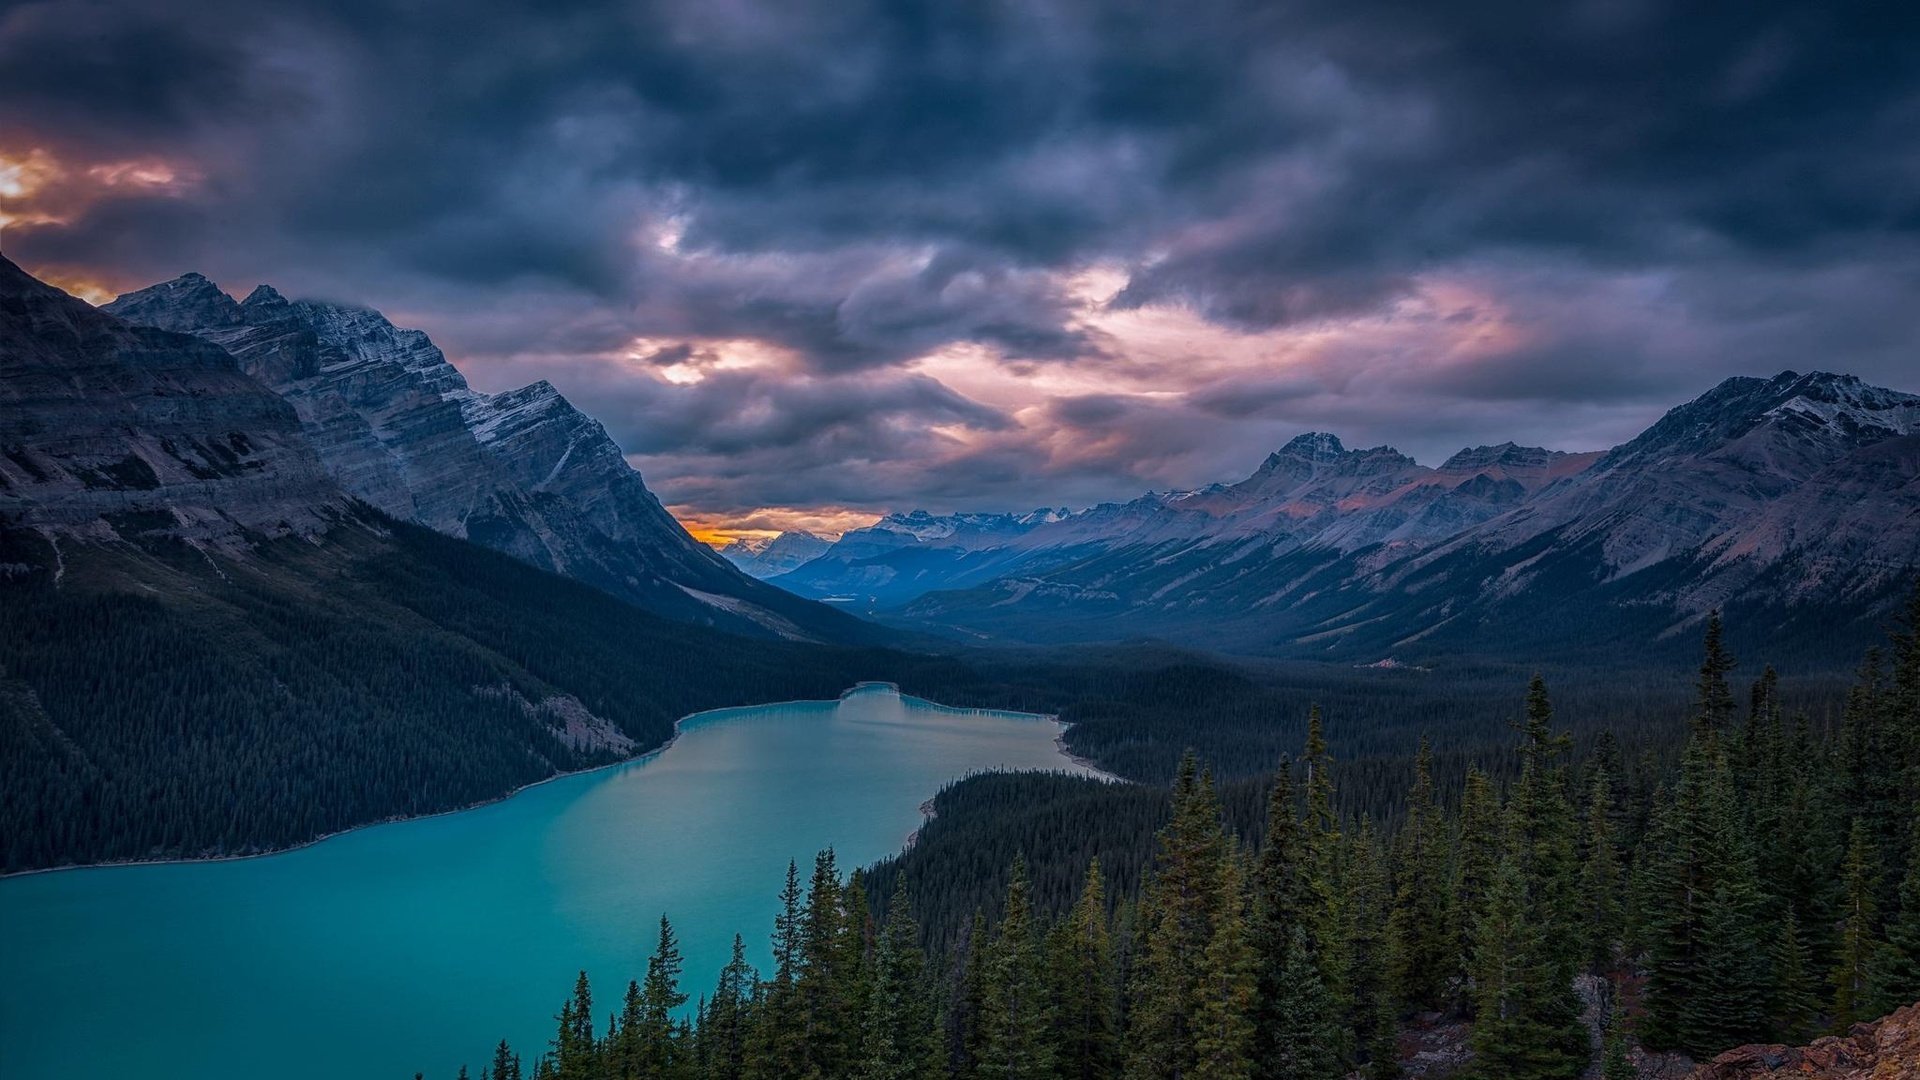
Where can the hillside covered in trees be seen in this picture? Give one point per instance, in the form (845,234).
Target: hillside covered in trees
(1764,886)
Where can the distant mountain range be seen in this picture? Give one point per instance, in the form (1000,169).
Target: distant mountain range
(1794,502)
(523,472)
(771,556)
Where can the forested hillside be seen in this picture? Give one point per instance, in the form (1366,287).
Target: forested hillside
(1765,887)
(166,702)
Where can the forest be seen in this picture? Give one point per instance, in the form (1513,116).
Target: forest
(170,703)
(1580,905)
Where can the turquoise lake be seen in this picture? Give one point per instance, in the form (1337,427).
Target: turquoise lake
(415,946)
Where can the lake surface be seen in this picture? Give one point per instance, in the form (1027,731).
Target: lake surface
(415,946)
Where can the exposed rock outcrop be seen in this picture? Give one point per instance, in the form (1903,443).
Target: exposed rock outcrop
(116,432)
(1887,1049)
(523,472)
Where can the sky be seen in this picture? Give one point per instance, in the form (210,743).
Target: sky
(814,261)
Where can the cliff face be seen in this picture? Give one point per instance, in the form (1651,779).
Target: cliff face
(523,472)
(1887,1049)
(116,432)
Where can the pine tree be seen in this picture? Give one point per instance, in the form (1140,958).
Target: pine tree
(1304,1030)
(823,979)
(1223,1010)
(1326,916)
(1714,708)
(1600,876)
(660,1054)
(574,1050)
(1477,862)
(778,1046)
(1519,1030)
(728,1017)
(1796,999)
(1369,946)
(1085,994)
(967,1014)
(1423,946)
(1178,914)
(1852,973)
(1282,897)
(626,1058)
(506,1065)
(1896,970)
(1708,981)
(1014,1014)
(897,1027)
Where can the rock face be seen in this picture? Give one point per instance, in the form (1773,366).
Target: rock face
(523,472)
(1793,501)
(769,558)
(116,432)
(1888,1049)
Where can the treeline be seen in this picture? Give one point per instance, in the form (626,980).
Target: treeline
(170,703)
(1767,887)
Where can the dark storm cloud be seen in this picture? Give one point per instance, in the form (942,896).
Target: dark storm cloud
(1637,198)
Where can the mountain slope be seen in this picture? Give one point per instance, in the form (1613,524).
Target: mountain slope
(208,647)
(1792,500)
(522,472)
(109,430)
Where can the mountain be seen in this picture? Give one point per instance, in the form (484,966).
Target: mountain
(776,555)
(110,431)
(522,472)
(903,555)
(1792,499)
(209,646)
(1311,493)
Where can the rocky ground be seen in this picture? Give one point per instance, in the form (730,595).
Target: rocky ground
(1887,1049)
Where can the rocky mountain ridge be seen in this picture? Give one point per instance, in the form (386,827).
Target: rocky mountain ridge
(776,555)
(523,472)
(112,432)
(1795,497)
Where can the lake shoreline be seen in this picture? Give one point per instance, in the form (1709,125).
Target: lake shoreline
(641,756)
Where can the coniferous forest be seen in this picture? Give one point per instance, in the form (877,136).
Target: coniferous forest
(1762,885)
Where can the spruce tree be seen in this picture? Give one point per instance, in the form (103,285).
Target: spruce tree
(1326,915)
(897,1027)
(506,1065)
(1282,897)
(727,1021)
(1423,945)
(1796,997)
(659,1051)
(1477,861)
(778,1047)
(1600,884)
(1223,1009)
(575,1055)
(1519,1030)
(1896,969)
(1852,972)
(1014,1014)
(823,979)
(1713,709)
(1085,995)
(1369,946)
(1178,912)
(1303,1043)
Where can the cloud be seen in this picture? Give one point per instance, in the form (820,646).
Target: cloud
(987,255)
